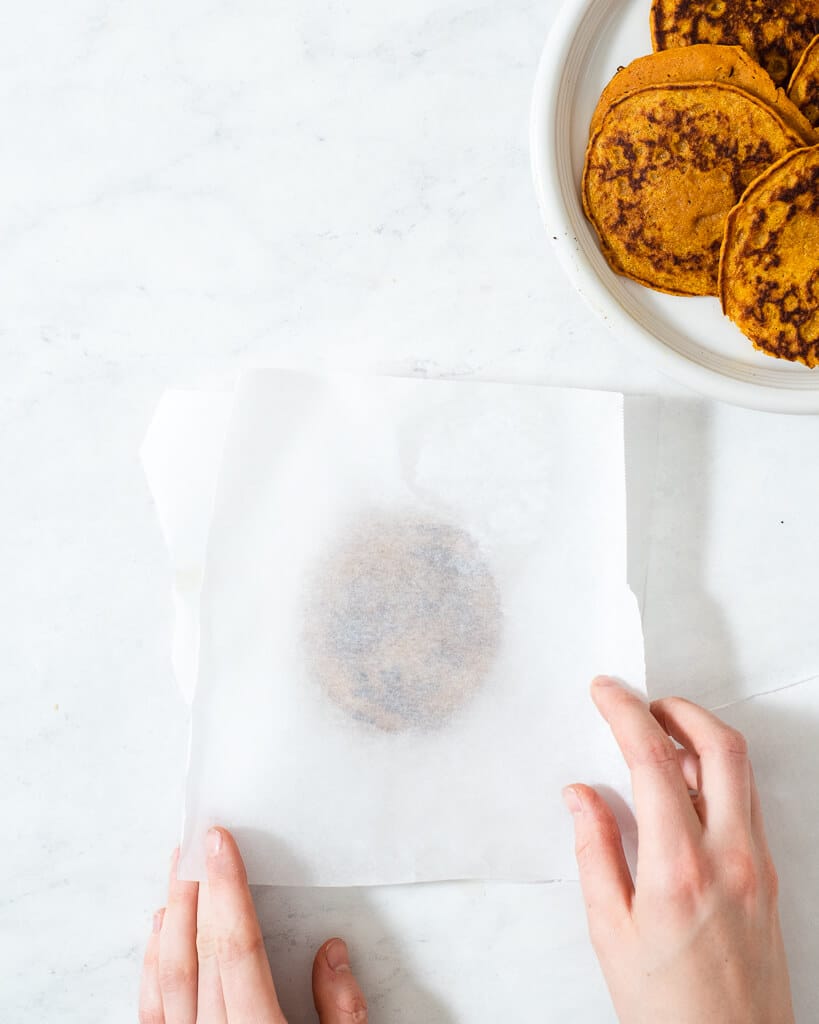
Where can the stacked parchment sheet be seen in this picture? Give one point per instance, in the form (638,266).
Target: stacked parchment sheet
(407,587)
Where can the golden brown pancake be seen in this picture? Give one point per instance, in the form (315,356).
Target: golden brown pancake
(662,172)
(769,270)
(704,62)
(773,32)
(804,87)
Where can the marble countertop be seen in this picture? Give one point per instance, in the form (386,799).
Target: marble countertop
(189,189)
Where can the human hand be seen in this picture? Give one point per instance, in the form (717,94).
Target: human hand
(206,964)
(696,938)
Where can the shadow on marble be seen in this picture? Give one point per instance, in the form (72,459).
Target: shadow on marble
(296,921)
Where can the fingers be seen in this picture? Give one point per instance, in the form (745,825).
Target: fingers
(177,951)
(247,984)
(663,806)
(724,804)
(336,994)
(604,875)
(150,997)
(210,1002)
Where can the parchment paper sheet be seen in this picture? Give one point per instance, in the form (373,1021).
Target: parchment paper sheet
(535,478)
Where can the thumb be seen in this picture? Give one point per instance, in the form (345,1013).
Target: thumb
(336,994)
(604,875)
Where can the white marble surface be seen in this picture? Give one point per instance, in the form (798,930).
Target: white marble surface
(192,187)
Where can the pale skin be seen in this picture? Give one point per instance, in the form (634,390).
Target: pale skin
(694,937)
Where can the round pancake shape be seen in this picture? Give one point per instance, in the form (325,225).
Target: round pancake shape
(704,62)
(664,169)
(773,32)
(403,622)
(769,268)
(803,90)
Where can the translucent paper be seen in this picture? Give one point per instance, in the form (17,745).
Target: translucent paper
(408,586)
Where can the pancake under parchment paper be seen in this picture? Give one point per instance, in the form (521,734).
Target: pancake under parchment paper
(403,622)
(773,32)
(769,271)
(664,169)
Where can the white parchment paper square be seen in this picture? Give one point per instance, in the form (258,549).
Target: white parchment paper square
(534,478)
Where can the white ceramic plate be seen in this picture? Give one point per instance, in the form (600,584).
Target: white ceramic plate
(687,338)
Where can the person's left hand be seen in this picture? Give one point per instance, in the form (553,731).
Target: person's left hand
(206,962)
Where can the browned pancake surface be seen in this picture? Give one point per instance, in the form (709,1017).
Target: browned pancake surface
(773,32)
(704,62)
(664,169)
(769,272)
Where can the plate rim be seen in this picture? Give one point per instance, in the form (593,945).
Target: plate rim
(578,268)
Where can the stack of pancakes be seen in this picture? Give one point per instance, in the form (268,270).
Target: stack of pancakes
(702,173)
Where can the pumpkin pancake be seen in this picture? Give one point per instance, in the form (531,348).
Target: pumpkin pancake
(704,62)
(773,32)
(769,270)
(664,169)
(804,87)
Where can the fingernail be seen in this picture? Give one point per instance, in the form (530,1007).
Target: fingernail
(158,916)
(213,842)
(572,800)
(604,681)
(338,959)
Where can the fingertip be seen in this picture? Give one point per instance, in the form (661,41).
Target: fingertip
(608,691)
(337,955)
(336,991)
(660,709)
(660,704)
(592,805)
(214,842)
(332,956)
(572,799)
(223,861)
(601,688)
(591,813)
(587,795)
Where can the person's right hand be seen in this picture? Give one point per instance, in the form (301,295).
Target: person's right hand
(696,938)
